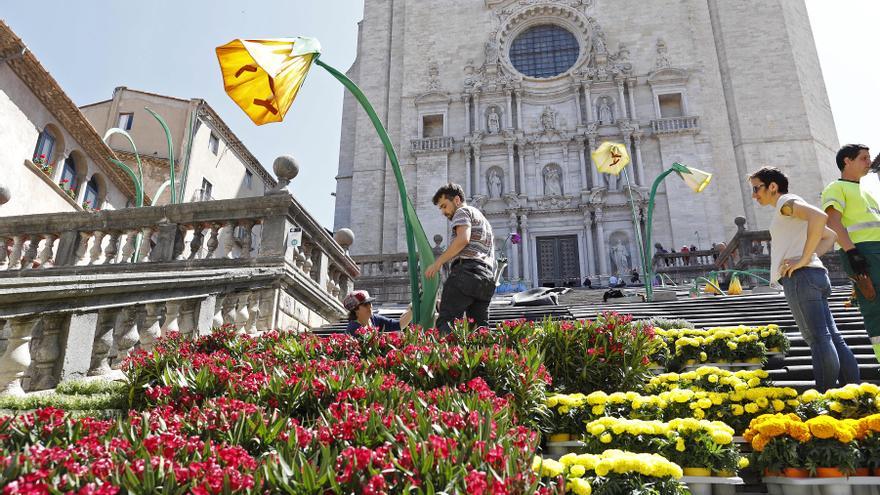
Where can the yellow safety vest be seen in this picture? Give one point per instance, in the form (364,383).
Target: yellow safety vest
(859,210)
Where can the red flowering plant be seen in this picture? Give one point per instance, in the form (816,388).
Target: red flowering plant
(610,353)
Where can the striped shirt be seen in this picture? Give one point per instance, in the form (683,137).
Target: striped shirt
(482,241)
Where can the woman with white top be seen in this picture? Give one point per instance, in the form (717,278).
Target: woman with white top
(798,237)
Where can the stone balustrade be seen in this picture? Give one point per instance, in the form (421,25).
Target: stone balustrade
(432,144)
(80,290)
(676,125)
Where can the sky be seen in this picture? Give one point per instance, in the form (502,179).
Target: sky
(167,47)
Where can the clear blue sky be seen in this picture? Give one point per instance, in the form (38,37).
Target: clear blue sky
(167,47)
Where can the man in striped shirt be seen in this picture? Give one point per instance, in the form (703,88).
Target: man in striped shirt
(471,281)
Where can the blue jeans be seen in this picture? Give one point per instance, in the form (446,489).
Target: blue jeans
(807,292)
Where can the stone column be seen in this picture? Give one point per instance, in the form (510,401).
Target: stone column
(46,258)
(30,253)
(509,110)
(208,309)
(627,137)
(527,266)
(466,99)
(253,313)
(579,148)
(481,184)
(172,313)
(96,253)
(589,105)
(522,170)
(151,330)
(511,170)
(125,335)
(45,352)
(591,147)
(466,149)
(513,267)
(477,113)
(187,320)
(640,168)
(519,117)
(588,237)
(17,358)
(217,320)
(621,107)
(600,239)
(242,315)
(577,99)
(15,255)
(631,86)
(100,362)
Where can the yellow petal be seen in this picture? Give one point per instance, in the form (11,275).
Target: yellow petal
(263,76)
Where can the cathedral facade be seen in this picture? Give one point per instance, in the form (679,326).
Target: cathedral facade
(509,97)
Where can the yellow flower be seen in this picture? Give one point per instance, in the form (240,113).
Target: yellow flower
(703,356)
(679,444)
(810,395)
(548,468)
(822,426)
(605,438)
(579,486)
(743,462)
(577,471)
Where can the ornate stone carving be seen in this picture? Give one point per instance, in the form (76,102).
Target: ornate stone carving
(479,201)
(515,202)
(662,61)
(433,80)
(493,121)
(555,203)
(548,119)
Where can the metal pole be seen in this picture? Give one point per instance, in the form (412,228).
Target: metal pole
(636,227)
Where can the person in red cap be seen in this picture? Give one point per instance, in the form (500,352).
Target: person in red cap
(359,304)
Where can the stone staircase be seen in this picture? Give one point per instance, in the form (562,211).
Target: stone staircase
(793,370)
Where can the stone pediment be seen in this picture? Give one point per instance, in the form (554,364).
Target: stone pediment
(433,97)
(555,202)
(668,75)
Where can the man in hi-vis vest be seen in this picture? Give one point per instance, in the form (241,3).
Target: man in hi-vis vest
(854,216)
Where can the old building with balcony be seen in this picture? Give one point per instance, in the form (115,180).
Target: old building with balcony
(85,278)
(509,98)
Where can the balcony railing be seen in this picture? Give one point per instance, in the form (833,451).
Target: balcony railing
(432,144)
(676,125)
(80,290)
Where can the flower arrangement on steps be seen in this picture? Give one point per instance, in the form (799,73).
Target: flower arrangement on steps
(740,345)
(612,472)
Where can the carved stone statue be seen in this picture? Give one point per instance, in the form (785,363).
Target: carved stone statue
(606,116)
(620,257)
(599,42)
(496,188)
(494,122)
(552,182)
(662,55)
(548,119)
(491,52)
(433,81)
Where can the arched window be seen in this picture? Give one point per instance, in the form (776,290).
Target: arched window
(546,50)
(90,198)
(45,147)
(68,174)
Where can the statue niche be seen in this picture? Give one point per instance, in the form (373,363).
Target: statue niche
(552,180)
(493,121)
(495,178)
(606,114)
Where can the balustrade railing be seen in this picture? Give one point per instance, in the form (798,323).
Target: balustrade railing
(80,290)
(673,125)
(431,144)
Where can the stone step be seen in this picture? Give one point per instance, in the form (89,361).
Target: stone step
(805,372)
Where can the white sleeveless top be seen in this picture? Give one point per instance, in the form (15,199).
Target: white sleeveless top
(788,236)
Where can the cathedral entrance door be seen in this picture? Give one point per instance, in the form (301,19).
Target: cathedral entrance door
(558,261)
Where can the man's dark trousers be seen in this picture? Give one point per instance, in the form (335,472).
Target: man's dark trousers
(468,289)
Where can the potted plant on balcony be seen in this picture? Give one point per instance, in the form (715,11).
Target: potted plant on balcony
(832,452)
(43,164)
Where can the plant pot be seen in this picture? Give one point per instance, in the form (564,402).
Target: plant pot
(876,472)
(696,471)
(700,488)
(797,489)
(559,437)
(791,472)
(771,474)
(754,360)
(829,472)
(724,474)
(863,472)
(690,362)
(841,489)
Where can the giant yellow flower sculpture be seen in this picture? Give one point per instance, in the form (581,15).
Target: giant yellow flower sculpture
(610,158)
(263,76)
